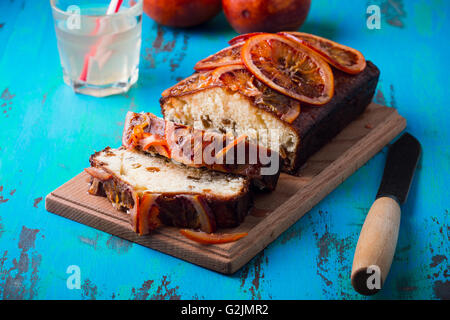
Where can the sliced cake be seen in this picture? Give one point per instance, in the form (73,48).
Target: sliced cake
(198,148)
(155,191)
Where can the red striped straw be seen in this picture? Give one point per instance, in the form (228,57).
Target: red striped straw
(113,7)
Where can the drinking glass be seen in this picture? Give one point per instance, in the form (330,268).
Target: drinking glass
(98,47)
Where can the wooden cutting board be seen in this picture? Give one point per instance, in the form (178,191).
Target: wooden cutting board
(274,212)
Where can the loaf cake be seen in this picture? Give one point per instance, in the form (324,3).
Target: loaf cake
(198,148)
(155,191)
(276,98)
(239,103)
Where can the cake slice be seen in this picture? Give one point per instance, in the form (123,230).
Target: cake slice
(235,101)
(197,148)
(155,191)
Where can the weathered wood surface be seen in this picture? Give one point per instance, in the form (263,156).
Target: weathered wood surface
(47,134)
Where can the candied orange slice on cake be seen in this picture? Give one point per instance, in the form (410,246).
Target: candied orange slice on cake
(195,82)
(236,78)
(289,68)
(342,57)
(243,37)
(228,56)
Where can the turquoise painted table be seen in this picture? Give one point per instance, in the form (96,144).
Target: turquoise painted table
(48,132)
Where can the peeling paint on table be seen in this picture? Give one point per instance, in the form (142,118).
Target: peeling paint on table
(48,132)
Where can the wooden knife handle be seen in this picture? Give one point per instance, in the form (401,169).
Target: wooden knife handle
(376,246)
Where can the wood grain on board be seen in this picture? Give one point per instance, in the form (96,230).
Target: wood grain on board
(274,212)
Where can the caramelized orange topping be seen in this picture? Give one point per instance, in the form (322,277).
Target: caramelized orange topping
(230,146)
(341,57)
(228,56)
(289,68)
(211,238)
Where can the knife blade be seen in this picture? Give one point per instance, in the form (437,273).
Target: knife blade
(401,162)
(378,239)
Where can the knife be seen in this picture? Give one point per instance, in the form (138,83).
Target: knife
(378,239)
